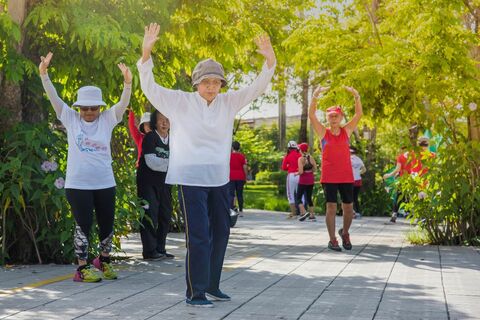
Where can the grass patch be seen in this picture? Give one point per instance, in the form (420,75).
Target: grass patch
(418,237)
(265,197)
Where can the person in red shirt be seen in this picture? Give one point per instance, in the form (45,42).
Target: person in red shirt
(306,168)
(138,133)
(409,163)
(290,164)
(238,175)
(337,173)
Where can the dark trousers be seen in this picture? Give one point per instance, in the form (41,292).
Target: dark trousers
(356,203)
(156,222)
(304,195)
(207,229)
(83,202)
(236,187)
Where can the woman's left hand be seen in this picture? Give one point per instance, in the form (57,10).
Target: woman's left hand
(127,74)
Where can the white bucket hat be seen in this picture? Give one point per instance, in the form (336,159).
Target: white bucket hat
(89,96)
(145,118)
(292,145)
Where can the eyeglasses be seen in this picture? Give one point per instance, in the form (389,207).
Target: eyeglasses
(94,108)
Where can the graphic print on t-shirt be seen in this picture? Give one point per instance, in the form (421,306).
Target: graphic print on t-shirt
(162,153)
(85,144)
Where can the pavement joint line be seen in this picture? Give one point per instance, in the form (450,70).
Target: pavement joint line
(103,283)
(281,278)
(93,287)
(34,285)
(283,249)
(443,284)
(340,272)
(386,282)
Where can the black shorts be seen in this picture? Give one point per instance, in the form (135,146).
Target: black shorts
(345,189)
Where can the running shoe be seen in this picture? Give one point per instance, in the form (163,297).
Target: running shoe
(86,274)
(106,268)
(347,245)
(312,219)
(304,216)
(333,245)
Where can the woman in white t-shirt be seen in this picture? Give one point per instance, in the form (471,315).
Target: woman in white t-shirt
(90,184)
(358,169)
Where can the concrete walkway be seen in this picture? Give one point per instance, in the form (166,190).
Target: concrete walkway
(275,269)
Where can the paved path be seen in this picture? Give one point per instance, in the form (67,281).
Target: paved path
(275,269)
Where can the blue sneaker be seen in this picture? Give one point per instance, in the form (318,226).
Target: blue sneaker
(199,303)
(218,296)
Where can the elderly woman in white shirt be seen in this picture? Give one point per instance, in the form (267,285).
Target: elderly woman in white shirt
(201,136)
(90,184)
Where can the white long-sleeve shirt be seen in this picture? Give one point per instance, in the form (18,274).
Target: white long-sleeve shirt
(200,134)
(89,161)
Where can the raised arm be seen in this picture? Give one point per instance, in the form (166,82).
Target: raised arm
(317,125)
(52,95)
(134,132)
(122,105)
(242,97)
(352,124)
(161,98)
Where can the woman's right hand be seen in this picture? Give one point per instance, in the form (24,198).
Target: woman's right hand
(45,62)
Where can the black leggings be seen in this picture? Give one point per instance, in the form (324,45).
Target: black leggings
(236,186)
(156,223)
(307,190)
(356,203)
(83,202)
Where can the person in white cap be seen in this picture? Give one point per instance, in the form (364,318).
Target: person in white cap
(90,184)
(290,164)
(337,173)
(138,132)
(201,136)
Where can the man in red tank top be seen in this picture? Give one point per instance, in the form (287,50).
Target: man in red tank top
(337,173)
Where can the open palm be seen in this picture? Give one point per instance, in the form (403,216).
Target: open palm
(265,47)
(151,36)
(127,74)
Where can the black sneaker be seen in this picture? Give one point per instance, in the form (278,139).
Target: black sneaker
(394,217)
(218,296)
(154,256)
(347,245)
(304,216)
(167,255)
(333,245)
(199,303)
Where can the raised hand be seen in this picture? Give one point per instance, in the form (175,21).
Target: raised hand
(151,36)
(319,90)
(352,90)
(265,48)
(127,74)
(45,62)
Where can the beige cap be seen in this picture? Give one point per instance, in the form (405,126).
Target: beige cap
(208,69)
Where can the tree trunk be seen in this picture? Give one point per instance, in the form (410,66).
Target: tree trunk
(10,92)
(302,136)
(472,22)
(282,118)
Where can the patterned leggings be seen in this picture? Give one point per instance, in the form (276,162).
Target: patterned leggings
(83,203)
